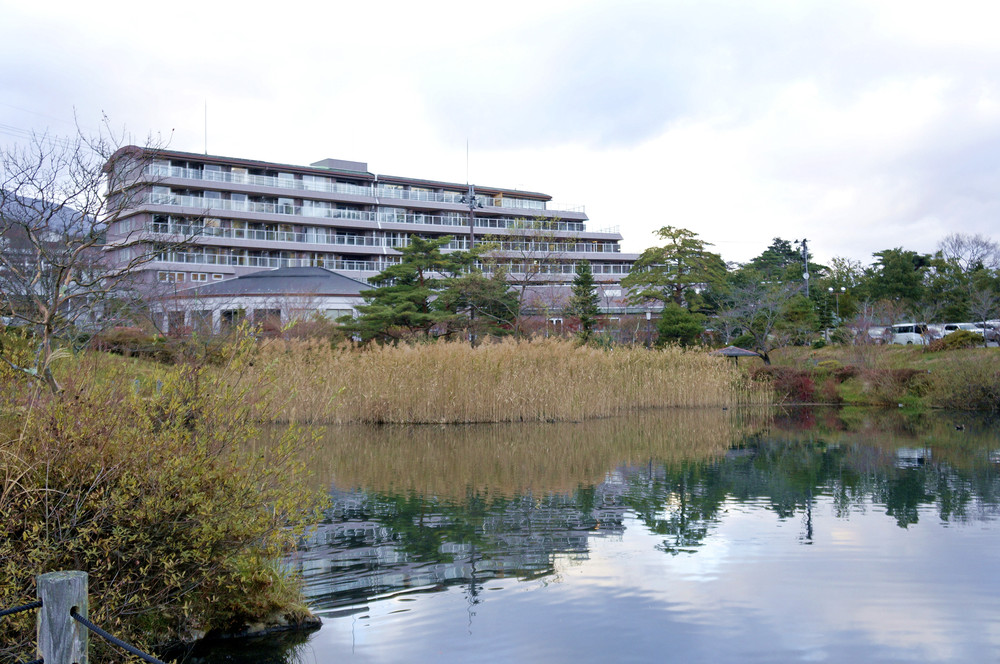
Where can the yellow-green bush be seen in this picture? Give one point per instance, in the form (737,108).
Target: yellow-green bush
(955,341)
(967,383)
(152,491)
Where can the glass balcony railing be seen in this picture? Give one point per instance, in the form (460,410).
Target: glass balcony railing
(321,238)
(372,191)
(162,171)
(511,267)
(569,269)
(271,262)
(209,204)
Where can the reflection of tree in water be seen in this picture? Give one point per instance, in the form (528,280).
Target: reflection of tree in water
(684,501)
(678,504)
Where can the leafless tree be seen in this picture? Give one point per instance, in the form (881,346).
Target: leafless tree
(970,252)
(984,304)
(528,255)
(756,310)
(59,198)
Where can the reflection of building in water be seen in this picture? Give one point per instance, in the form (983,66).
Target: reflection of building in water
(377,544)
(911,457)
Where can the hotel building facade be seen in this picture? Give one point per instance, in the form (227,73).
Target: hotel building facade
(243,215)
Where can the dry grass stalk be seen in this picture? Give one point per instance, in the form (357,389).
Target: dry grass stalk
(538,381)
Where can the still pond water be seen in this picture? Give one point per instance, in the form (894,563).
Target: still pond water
(681,536)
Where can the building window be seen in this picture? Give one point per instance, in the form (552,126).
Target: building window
(170,277)
(218,277)
(199,276)
(334,314)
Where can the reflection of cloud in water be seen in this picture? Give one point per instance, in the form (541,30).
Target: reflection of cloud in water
(699,556)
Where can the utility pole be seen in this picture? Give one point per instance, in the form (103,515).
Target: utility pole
(805,264)
(471,196)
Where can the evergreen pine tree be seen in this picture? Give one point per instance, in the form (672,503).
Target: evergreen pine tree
(584,304)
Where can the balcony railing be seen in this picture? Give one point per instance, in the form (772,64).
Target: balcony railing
(321,238)
(162,171)
(379,191)
(275,236)
(513,268)
(272,262)
(526,268)
(208,204)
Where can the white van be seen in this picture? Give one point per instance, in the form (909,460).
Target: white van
(908,334)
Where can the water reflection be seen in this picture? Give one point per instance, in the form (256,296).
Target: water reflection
(720,500)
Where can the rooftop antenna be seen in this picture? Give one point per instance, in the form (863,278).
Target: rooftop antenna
(206,126)
(470,199)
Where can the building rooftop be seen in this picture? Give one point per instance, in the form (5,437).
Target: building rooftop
(286,281)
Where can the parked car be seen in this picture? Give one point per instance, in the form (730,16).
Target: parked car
(944,329)
(991,332)
(908,334)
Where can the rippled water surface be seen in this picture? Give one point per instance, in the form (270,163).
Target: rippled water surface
(814,536)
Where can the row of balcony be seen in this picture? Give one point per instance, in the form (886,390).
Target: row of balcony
(327,186)
(322,238)
(341,265)
(208,204)
(271,261)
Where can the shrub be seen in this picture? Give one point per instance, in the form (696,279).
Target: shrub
(818,343)
(845,372)
(966,384)
(157,495)
(182,348)
(955,341)
(841,336)
(828,366)
(316,326)
(127,341)
(787,383)
(889,386)
(828,392)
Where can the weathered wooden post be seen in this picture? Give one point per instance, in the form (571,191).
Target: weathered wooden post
(61,639)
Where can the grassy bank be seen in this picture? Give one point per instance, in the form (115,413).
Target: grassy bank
(153,490)
(961,379)
(545,380)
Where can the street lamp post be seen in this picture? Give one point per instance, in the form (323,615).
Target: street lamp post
(836,294)
(649,333)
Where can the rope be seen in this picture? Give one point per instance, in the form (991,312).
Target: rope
(111,639)
(19,609)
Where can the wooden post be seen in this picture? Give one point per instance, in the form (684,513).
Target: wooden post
(61,639)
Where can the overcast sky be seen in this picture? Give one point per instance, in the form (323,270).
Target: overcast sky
(858,125)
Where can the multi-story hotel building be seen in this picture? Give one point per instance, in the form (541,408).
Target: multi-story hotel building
(243,215)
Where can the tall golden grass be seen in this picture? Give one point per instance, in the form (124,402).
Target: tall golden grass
(511,381)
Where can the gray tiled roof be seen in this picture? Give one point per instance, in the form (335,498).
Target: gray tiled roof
(283,281)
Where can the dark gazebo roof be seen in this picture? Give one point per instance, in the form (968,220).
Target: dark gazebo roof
(733,351)
(311,281)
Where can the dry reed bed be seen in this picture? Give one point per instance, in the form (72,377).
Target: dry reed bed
(512,381)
